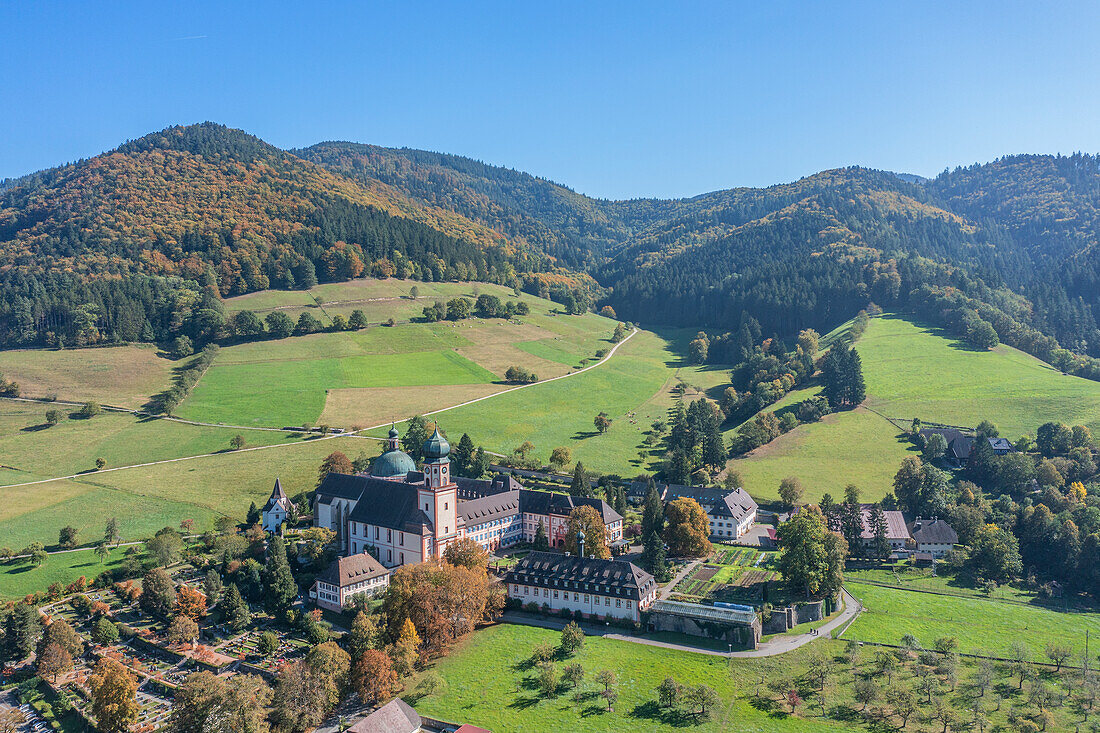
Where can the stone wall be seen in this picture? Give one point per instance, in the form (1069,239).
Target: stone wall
(784,618)
(741,636)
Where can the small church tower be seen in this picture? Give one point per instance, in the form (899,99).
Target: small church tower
(439,495)
(276,510)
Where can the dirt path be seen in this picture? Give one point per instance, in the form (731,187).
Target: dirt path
(354,434)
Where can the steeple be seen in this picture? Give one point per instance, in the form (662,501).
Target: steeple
(391,444)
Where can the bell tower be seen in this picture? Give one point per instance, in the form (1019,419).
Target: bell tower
(439,495)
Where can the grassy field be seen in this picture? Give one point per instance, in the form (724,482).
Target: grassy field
(856,447)
(20,579)
(485,685)
(380,373)
(126,376)
(30,451)
(980,625)
(914,370)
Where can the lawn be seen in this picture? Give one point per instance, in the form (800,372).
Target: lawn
(18,579)
(30,450)
(485,685)
(126,376)
(982,626)
(913,370)
(855,447)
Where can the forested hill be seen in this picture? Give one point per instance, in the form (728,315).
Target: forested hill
(141,242)
(574,228)
(125,245)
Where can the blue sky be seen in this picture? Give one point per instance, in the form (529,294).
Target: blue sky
(613,99)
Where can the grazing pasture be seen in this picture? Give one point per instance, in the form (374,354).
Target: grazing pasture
(126,376)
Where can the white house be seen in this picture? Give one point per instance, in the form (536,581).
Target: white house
(348,577)
(276,510)
(933,536)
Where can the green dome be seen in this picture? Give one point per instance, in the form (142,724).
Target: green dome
(392,464)
(436,448)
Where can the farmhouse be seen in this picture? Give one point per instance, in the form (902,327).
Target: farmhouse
(587,585)
(729,513)
(408,516)
(347,577)
(960,444)
(933,536)
(896,532)
(276,509)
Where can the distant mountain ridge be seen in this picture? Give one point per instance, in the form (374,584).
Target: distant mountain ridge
(204,208)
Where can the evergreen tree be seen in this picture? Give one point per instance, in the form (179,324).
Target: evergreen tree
(22,629)
(416,434)
(842,373)
(235,613)
(542,542)
(280,589)
(654,557)
(253,516)
(581,485)
(462,456)
(880,546)
(479,466)
(653,512)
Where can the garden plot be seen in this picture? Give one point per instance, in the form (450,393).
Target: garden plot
(246,648)
(729,574)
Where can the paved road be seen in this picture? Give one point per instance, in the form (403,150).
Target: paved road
(778,645)
(84,474)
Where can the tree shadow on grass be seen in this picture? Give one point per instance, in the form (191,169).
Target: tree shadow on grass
(591,710)
(35,428)
(768,706)
(845,714)
(672,717)
(522,703)
(584,434)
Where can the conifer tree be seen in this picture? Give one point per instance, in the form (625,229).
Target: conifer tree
(880,545)
(581,485)
(280,590)
(235,613)
(542,542)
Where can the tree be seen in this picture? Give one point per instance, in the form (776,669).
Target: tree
(842,373)
(59,632)
(330,668)
(702,697)
(374,677)
(100,463)
(12,720)
(206,702)
(560,457)
(790,492)
(581,485)
(459,308)
(935,445)
(235,611)
(166,546)
(602,422)
(237,442)
(416,434)
(573,674)
(364,634)
(588,520)
(52,661)
(619,334)
(547,679)
(111,534)
(688,529)
(1054,438)
(994,554)
(182,630)
(190,603)
(572,638)
(53,417)
(267,644)
(158,593)
(1058,653)
(880,545)
(66,538)
(654,558)
(279,324)
(667,692)
(610,695)
(22,629)
(542,542)
(114,697)
(212,586)
(606,678)
(902,702)
(865,692)
(467,553)
(803,558)
(104,632)
(280,588)
(336,462)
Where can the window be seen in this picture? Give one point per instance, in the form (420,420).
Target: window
(354,548)
(389,555)
(628,604)
(586,598)
(376,533)
(402,558)
(618,603)
(607,601)
(389,535)
(555,595)
(444,506)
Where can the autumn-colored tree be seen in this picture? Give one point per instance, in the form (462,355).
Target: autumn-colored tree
(467,553)
(687,530)
(183,630)
(114,697)
(331,666)
(375,679)
(52,660)
(336,462)
(586,519)
(59,632)
(190,603)
(206,702)
(443,601)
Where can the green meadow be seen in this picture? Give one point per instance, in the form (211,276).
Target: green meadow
(486,683)
(985,626)
(914,370)
(19,579)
